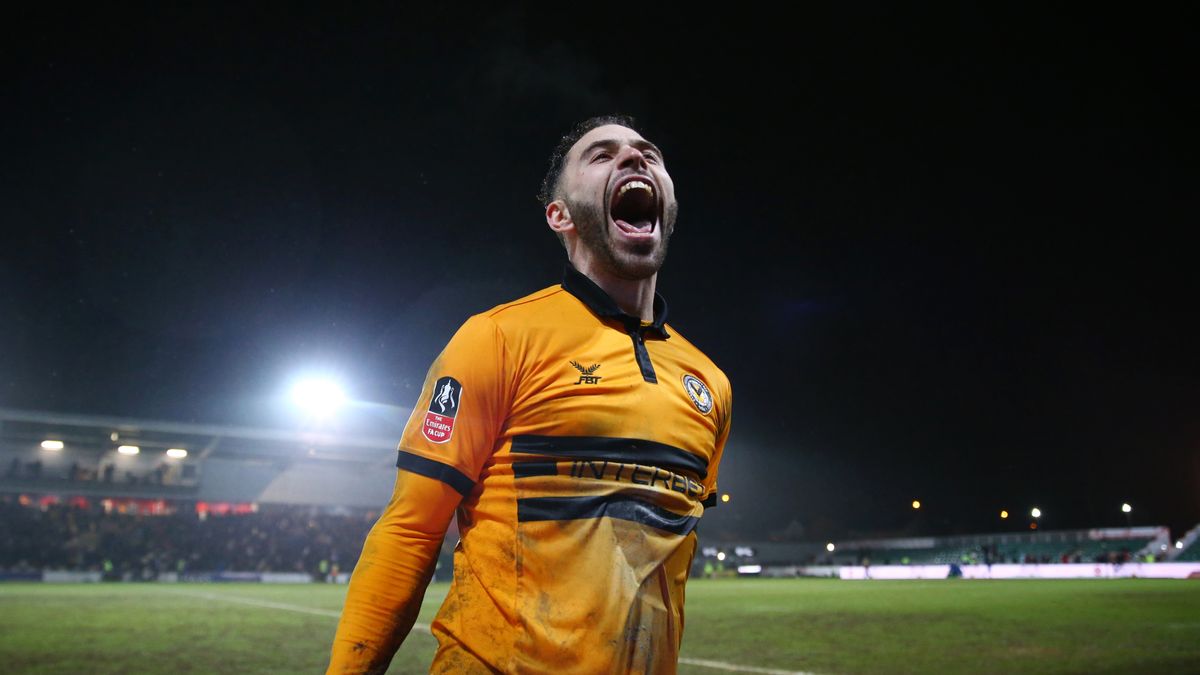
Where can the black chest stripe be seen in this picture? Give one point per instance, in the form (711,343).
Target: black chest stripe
(621,507)
(530,469)
(624,450)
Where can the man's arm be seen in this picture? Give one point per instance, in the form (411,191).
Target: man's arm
(392,573)
(450,435)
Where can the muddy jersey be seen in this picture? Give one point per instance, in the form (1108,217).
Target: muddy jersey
(585,446)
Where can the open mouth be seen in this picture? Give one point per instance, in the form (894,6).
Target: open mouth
(634,206)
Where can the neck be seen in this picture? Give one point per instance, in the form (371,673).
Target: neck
(635,297)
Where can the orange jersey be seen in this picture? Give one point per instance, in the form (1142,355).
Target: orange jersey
(585,445)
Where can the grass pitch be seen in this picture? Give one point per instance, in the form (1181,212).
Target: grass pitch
(819,626)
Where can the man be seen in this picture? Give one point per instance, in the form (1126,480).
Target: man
(577,436)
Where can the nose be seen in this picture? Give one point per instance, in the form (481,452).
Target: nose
(630,157)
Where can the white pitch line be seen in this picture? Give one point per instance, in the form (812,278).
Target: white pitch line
(267,604)
(721,665)
(277,605)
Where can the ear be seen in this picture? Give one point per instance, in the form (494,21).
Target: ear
(558,217)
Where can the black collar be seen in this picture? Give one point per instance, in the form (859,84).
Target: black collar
(578,284)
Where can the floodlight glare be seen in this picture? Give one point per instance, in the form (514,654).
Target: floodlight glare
(916,503)
(725,497)
(829,547)
(129,449)
(1126,508)
(720,555)
(1003,514)
(1179,544)
(1036,512)
(176,453)
(319,397)
(52,445)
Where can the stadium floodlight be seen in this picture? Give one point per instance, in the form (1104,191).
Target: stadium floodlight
(52,445)
(1036,512)
(720,555)
(725,498)
(829,547)
(129,449)
(1126,508)
(916,503)
(176,453)
(320,398)
(1003,514)
(1179,544)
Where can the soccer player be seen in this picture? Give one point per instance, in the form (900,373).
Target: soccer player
(577,436)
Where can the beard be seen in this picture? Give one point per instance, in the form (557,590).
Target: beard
(637,262)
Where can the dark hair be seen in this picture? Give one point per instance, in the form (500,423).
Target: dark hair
(559,157)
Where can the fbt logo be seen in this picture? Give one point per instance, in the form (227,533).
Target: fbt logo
(585,374)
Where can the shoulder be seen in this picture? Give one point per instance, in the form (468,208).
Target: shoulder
(532,303)
(545,306)
(514,317)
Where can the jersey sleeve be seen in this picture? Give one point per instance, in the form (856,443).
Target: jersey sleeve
(390,577)
(454,425)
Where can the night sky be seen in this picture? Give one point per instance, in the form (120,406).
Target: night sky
(941,256)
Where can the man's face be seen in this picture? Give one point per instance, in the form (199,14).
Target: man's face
(621,200)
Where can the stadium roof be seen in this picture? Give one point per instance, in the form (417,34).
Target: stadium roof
(23,428)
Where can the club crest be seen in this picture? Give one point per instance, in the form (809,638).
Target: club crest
(698,392)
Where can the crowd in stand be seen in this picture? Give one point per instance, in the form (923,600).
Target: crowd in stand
(76,538)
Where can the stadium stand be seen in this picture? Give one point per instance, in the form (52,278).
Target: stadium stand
(82,536)
(1116,545)
(220,463)
(1190,544)
(240,499)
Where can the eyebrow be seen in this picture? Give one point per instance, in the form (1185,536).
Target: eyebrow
(609,143)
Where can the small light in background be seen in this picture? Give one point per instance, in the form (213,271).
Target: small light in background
(1003,514)
(829,547)
(1179,544)
(725,497)
(1126,508)
(720,555)
(1036,512)
(916,503)
(52,445)
(129,449)
(176,453)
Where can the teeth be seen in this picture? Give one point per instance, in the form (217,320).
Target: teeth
(635,184)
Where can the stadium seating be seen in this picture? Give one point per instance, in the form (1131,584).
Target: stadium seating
(276,539)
